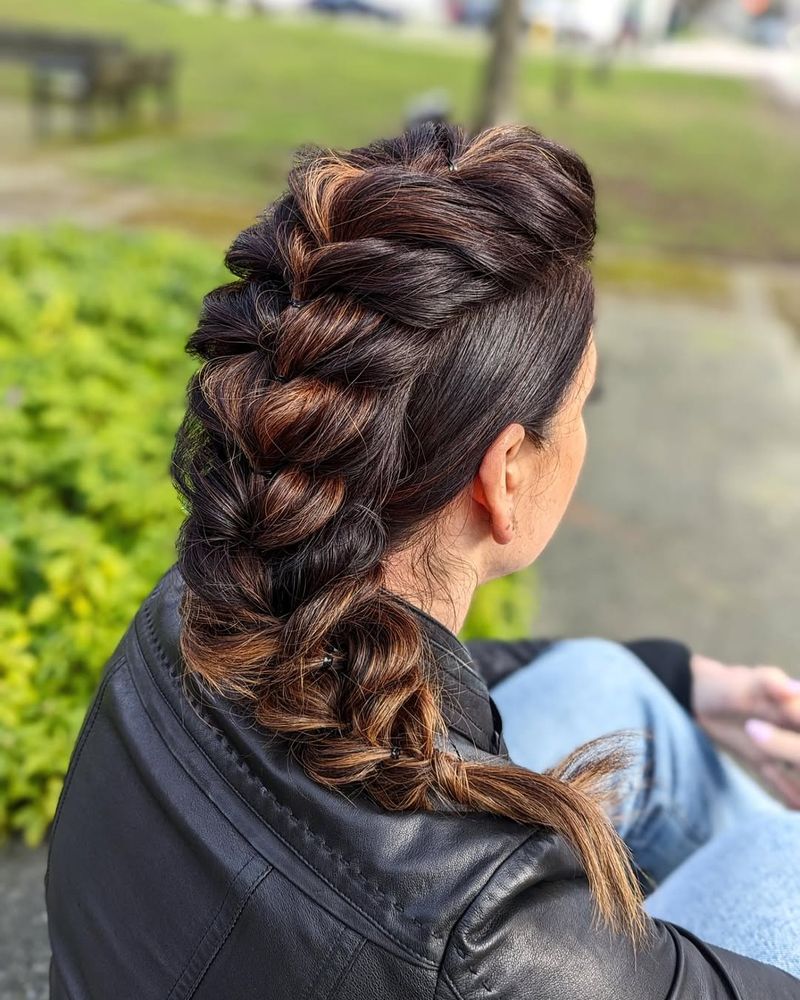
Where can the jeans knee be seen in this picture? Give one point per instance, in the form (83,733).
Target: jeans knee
(581,689)
(774,833)
(604,663)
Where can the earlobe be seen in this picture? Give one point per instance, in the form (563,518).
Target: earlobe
(503,532)
(495,484)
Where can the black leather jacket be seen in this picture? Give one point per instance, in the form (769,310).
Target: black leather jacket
(191,857)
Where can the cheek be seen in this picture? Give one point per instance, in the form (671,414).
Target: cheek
(570,462)
(549,504)
(579,450)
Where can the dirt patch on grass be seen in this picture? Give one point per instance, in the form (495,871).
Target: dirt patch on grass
(664,276)
(215,221)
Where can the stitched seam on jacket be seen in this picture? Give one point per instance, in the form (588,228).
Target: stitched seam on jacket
(346,970)
(211,924)
(680,963)
(453,988)
(292,818)
(313,982)
(234,920)
(462,953)
(712,959)
(100,696)
(442,972)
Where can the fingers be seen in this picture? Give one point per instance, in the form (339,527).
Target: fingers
(775,744)
(783,782)
(778,684)
(731,736)
(775,696)
(780,764)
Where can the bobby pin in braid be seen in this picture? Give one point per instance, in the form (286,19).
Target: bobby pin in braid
(268,473)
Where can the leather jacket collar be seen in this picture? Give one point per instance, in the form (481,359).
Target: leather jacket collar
(467,705)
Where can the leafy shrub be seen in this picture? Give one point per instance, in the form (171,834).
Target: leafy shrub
(92,330)
(502,609)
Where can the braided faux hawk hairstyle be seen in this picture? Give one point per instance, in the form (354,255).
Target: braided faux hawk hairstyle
(393,311)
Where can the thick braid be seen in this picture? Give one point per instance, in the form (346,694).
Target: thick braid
(302,468)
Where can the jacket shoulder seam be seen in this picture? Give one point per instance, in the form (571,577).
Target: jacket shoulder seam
(256,882)
(213,921)
(451,941)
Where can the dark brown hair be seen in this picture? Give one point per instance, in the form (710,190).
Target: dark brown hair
(393,311)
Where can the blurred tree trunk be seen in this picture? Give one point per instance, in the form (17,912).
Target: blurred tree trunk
(685,11)
(497,100)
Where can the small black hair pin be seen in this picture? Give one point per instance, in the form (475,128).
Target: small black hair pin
(297,303)
(395,753)
(268,473)
(327,659)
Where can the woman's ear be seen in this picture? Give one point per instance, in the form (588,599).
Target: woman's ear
(496,485)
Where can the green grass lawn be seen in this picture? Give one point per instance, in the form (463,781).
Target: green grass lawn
(682,163)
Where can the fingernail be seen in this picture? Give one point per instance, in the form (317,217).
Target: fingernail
(757,730)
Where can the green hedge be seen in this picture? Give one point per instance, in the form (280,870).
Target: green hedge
(92,330)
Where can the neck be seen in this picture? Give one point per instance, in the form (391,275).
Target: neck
(446,599)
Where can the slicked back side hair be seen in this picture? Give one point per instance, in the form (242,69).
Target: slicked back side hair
(397,307)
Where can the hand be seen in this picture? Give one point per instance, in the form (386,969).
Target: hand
(754,713)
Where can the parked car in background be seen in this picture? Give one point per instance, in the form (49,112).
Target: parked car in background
(366,8)
(480,13)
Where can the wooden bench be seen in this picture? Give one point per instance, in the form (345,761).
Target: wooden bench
(88,71)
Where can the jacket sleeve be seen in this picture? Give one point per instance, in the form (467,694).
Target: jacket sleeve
(527,938)
(668,659)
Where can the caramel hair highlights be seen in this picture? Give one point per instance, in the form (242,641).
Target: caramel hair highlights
(391,313)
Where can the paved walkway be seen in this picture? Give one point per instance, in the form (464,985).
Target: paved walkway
(24,954)
(776,68)
(686,521)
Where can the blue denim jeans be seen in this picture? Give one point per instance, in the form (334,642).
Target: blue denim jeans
(721,854)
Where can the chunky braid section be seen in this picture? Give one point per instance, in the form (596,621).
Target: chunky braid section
(393,295)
